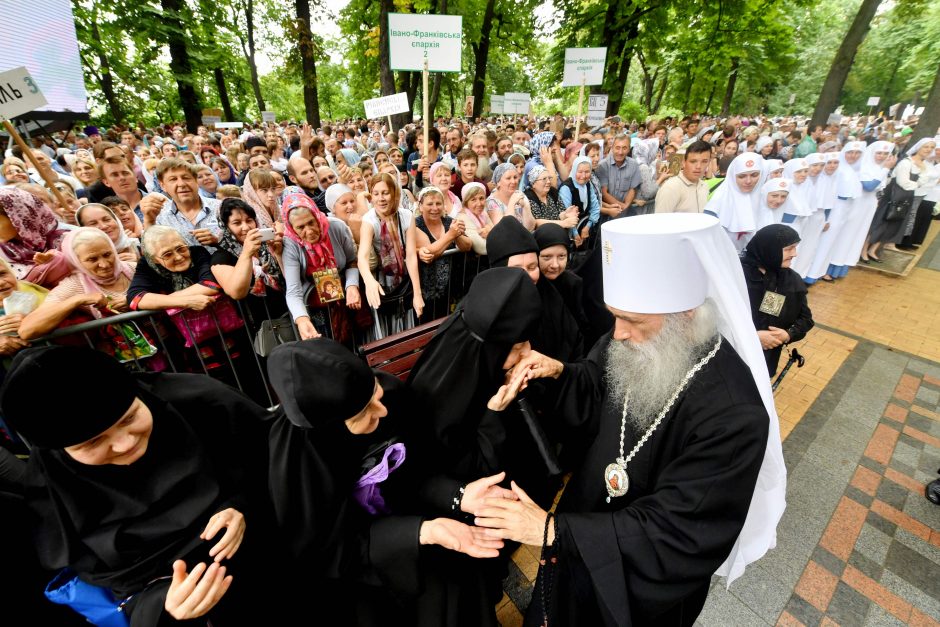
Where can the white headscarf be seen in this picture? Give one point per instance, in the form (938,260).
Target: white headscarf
(917,146)
(826,185)
(848,185)
(871,171)
(800,201)
(735,209)
(765,215)
(763,141)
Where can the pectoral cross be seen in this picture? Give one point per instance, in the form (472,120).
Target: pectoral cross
(608,252)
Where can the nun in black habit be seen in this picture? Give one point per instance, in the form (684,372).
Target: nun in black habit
(557,334)
(777,293)
(554,243)
(376,530)
(133,480)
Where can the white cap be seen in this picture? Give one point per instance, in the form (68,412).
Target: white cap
(650,266)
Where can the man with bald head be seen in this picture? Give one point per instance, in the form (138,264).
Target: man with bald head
(300,172)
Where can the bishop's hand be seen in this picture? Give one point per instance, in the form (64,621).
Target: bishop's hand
(520,521)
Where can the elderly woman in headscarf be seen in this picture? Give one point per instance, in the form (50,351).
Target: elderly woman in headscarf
(101,217)
(26,298)
(244,264)
(442,178)
(97,287)
(543,148)
(546,206)
(476,220)
(30,237)
(344,203)
(319,252)
(506,199)
(577,191)
(132,488)
(735,201)
(777,293)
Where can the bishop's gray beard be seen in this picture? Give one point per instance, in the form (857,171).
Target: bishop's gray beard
(651,371)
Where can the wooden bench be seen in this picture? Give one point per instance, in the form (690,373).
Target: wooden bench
(398,353)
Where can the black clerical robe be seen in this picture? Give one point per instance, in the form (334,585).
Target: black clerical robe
(647,557)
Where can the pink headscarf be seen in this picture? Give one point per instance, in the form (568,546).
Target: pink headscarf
(36,228)
(90,282)
(319,255)
(250,195)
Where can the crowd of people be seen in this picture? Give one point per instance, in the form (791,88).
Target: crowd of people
(639,280)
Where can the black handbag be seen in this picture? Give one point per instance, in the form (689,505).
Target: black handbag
(273,333)
(899,200)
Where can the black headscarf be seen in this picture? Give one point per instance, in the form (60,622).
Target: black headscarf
(119,526)
(765,251)
(551,235)
(509,237)
(461,367)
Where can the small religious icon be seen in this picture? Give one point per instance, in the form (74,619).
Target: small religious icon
(616,480)
(772,303)
(608,252)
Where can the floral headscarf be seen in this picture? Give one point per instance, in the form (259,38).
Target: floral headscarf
(541,140)
(501,170)
(90,282)
(36,229)
(319,254)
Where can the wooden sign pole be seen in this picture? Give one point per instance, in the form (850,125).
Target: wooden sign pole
(44,172)
(577,129)
(424,97)
(390,128)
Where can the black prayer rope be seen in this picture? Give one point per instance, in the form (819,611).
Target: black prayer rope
(546,561)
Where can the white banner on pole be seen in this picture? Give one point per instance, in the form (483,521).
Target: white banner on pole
(268,116)
(497,104)
(19,93)
(386,105)
(416,38)
(597,109)
(211,120)
(584,66)
(230,125)
(516,102)
(873,101)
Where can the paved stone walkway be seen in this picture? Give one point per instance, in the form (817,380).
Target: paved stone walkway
(859,544)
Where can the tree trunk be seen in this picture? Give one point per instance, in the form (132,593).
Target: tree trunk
(711,96)
(181,66)
(930,119)
(308,63)
(616,95)
(481,52)
(386,76)
(250,53)
(662,92)
(438,76)
(106,80)
(223,94)
(729,92)
(842,63)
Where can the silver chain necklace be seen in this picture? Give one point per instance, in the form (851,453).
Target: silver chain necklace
(616,479)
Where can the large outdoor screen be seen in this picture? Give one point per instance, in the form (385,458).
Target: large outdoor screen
(41,36)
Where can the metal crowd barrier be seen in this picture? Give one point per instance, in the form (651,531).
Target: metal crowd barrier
(170,343)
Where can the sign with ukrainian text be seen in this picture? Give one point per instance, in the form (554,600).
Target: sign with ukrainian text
(516,102)
(584,66)
(19,93)
(497,103)
(416,38)
(386,105)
